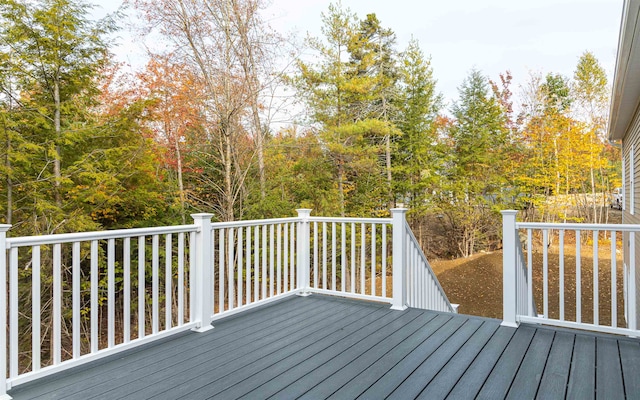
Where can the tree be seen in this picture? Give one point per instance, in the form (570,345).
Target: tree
(419,155)
(591,92)
(55,53)
(475,171)
(590,89)
(172,92)
(299,174)
(224,42)
(373,56)
(348,91)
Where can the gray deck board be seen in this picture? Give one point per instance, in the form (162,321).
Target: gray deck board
(527,380)
(556,374)
(303,365)
(582,384)
(242,380)
(269,381)
(366,352)
(499,381)
(359,376)
(207,365)
(375,371)
(608,373)
(322,347)
(301,388)
(629,360)
(476,374)
(389,382)
(424,373)
(451,373)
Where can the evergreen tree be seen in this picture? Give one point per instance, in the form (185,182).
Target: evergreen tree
(56,52)
(339,89)
(419,153)
(475,170)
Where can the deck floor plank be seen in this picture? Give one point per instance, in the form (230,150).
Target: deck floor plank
(259,370)
(630,360)
(582,383)
(389,382)
(322,347)
(304,386)
(306,365)
(471,381)
(424,373)
(499,381)
(609,384)
(113,368)
(556,374)
(527,380)
(205,366)
(362,371)
(450,374)
(227,349)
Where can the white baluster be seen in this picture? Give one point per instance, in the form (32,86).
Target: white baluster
(126,272)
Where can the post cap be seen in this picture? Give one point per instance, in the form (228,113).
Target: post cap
(509,212)
(202,216)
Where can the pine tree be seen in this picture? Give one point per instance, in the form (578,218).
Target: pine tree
(475,170)
(418,155)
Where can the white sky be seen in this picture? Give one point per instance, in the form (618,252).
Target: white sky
(490,35)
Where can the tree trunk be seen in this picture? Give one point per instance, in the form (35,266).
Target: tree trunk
(57,174)
(249,66)
(389,177)
(180,182)
(341,186)
(228,171)
(8,181)
(593,193)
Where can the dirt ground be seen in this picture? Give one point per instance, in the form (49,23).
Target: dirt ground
(476,284)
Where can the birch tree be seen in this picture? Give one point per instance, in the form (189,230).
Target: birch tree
(225,41)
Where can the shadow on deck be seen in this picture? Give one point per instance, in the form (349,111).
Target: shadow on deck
(325,347)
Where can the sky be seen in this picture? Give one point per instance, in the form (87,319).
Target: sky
(522,36)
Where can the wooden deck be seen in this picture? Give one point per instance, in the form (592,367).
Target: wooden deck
(321,347)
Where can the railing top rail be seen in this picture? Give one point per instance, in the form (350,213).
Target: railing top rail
(578,226)
(237,224)
(350,219)
(98,235)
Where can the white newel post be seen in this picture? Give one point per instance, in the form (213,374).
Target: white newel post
(203,273)
(509,280)
(303,252)
(399,301)
(3,311)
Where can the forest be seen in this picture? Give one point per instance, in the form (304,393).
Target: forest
(205,126)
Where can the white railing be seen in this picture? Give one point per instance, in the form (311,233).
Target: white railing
(573,271)
(423,288)
(526,304)
(351,256)
(253,262)
(78,281)
(76,297)
(355,257)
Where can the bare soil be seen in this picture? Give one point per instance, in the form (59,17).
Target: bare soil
(476,284)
